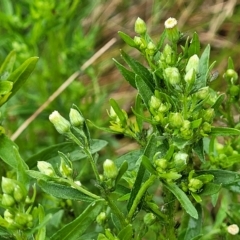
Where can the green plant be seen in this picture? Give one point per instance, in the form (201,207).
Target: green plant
(164,189)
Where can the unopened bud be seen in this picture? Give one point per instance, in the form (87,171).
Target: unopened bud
(202,93)
(110,169)
(172,75)
(231,76)
(7,200)
(208,115)
(180,160)
(18,194)
(154,102)
(149,219)
(8,185)
(162,163)
(193,63)
(46,168)
(76,118)
(190,76)
(101,218)
(60,123)
(8,216)
(195,184)
(176,120)
(140,26)
(172,30)
(65,169)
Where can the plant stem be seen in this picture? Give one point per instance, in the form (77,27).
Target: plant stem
(116,210)
(139,196)
(84,191)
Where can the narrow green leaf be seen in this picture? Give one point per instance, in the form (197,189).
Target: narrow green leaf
(127,39)
(7,152)
(144,90)
(78,226)
(121,171)
(230,63)
(198,149)
(161,40)
(224,131)
(63,191)
(194,47)
(7,66)
(149,152)
(139,110)
(139,69)
(183,199)
(5,87)
(126,233)
(219,101)
(210,189)
(148,165)
(194,227)
(20,75)
(203,68)
(196,123)
(128,75)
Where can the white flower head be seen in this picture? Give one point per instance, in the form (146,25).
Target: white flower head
(170,23)
(233,229)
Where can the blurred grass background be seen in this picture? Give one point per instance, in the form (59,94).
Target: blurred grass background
(65,34)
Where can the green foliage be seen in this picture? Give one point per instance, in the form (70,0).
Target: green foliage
(180,155)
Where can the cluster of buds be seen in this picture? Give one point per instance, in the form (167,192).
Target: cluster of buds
(220,159)
(159,109)
(194,184)
(62,125)
(233,90)
(13,198)
(170,170)
(143,42)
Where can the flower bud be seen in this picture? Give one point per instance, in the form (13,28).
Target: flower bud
(23,219)
(168,55)
(193,63)
(60,123)
(65,169)
(234,90)
(151,49)
(149,219)
(206,127)
(172,75)
(180,160)
(46,168)
(231,76)
(76,118)
(154,102)
(233,229)
(195,184)
(7,200)
(110,169)
(8,185)
(18,194)
(208,115)
(202,93)
(190,76)
(161,163)
(140,26)
(172,30)
(175,120)
(101,218)
(137,40)
(8,216)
